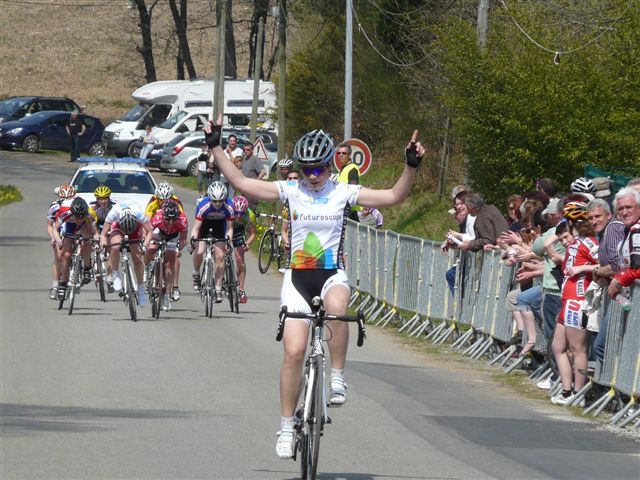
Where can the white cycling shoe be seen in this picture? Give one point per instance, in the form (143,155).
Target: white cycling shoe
(338,392)
(284,445)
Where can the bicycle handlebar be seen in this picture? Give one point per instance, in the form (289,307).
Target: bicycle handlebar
(272,216)
(320,316)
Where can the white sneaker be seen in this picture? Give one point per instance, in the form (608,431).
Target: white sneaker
(284,445)
(281,270)
(142,297)
(545,384)
(166,303)
(560,400)
(117,283)
(338,393)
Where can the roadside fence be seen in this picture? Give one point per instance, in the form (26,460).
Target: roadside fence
(400,281)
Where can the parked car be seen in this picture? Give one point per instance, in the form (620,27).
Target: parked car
(48,130)
(127,178)
(15,108)
(180,155)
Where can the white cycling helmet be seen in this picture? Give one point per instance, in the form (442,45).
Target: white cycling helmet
(286,162)
(314,148)
(164,191)
(217,191)
(128,221)
(582,185)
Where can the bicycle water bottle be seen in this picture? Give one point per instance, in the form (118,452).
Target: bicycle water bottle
(623,299)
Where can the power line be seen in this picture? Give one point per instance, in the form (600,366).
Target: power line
(386,59)
(559,52)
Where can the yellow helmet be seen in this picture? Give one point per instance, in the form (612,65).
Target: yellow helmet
(102,192)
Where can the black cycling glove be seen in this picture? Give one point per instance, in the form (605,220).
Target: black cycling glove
(411,156)
(212,139)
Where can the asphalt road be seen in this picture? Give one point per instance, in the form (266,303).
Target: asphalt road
(96,396)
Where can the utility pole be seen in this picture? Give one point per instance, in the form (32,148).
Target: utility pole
(256,81)
(348,70)
(483,20)
(218,76)
(282,78)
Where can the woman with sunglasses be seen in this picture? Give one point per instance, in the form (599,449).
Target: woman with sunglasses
(316,264)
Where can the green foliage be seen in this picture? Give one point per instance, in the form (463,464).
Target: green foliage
(520,116)
(9,194)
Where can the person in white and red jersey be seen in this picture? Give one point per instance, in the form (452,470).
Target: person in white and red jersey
(168,224)
(65,195)
(126,218)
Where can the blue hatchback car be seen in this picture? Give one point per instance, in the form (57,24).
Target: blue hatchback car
(48,130)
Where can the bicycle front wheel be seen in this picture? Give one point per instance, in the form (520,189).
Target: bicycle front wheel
(130,294)
(210,286)
(232,286)
(318,417)
(157,289)
(99,277)
(74,278)
(313,421)
(265,255)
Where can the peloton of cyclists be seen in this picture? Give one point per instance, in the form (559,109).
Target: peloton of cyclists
(316,267)
(126,218)
(169,224)
(245,222)
(214,217)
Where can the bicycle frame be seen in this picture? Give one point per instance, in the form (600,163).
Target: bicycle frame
(312,389)
(74,282)
(129,292)
(155,283)
(207,276)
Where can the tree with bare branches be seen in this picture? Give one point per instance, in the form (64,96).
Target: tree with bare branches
(146,50)
(184,54)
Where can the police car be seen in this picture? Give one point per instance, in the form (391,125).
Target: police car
(128,179)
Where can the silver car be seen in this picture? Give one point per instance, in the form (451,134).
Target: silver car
(180,155)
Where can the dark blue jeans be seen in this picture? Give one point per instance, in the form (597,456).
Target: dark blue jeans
(551,306)
(74,153)
(451,279)
(598,346)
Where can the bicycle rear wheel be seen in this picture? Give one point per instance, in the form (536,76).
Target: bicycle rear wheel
(265,254)
(74,275)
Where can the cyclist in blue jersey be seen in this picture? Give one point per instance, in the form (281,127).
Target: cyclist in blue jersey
(319,208)
(214,213)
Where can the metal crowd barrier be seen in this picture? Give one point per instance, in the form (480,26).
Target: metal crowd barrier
(401,280)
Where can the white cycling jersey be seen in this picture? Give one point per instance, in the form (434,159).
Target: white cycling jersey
(114,213)
(317,221)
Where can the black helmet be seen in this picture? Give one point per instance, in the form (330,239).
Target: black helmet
(79,207)
(170,210)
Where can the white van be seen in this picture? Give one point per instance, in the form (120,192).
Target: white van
(158,101)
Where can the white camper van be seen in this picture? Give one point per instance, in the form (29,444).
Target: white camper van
(158,101)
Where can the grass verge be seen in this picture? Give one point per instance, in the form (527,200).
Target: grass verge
(9,194)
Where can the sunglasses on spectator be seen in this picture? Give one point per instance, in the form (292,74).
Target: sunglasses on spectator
(319,170)
(343,153)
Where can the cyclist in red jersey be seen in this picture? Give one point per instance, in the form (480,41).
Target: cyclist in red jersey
(581,259)
(65,195)
(169,224)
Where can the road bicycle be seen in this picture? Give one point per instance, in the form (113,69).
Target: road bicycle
(311,414)
(99,269)
(75,272)
(208,273)
(155,286)
(271,248)
(129,291)
(230,278)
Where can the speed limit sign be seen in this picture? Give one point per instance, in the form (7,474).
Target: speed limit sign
(360,155)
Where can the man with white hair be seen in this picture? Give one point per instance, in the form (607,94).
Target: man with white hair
(627,207)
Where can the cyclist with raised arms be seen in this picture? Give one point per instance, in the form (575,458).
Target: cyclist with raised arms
(321,207)
(126,218)
(165,192)
(169,224)
(215,213)
(72,220)
(245,222)
(65,195)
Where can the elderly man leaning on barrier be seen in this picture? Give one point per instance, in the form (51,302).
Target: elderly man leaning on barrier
(610,234)
(627,206)
(488,226)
